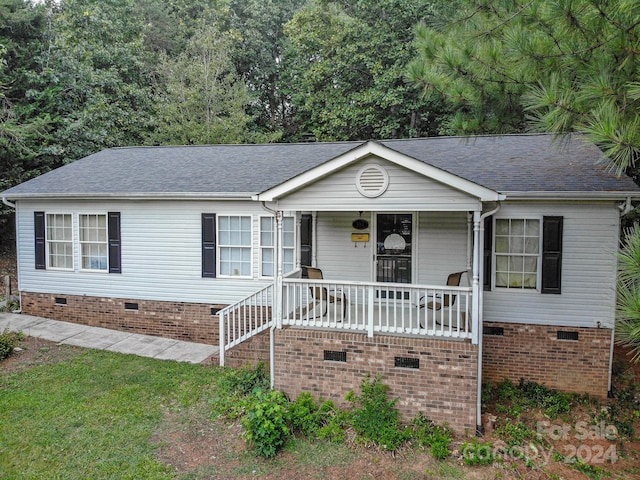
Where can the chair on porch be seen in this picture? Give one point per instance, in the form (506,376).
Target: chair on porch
(446,300)
(323,294)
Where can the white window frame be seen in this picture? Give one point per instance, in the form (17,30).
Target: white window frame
(220,246)
(49,241)
(495,254)
(289,248)
(82,243)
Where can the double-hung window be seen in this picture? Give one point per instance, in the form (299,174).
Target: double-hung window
(93,242)
(517,253)
(77,241)
(60,241)
(234,244)
(268,243)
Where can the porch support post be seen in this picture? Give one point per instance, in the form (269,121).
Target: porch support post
(475,285)
(314,242)
(470,240)
(298,252)
(277,301)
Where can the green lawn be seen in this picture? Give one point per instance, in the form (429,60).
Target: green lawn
(93,416)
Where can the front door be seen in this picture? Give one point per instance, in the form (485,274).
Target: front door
(394,238)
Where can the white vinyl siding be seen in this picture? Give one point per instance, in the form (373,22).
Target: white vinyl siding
(59,228)
(93,242)
(590,242)
(407,191)
(161,252)
(234,245)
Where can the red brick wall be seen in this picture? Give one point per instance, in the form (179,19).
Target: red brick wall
(178,320)
(251,352)
(533,352)
(443,388)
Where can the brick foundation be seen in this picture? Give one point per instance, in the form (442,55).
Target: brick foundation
(533,352)
(251,352)
(443,387)
(178,320)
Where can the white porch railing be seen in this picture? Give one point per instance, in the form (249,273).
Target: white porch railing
(246,318)
(372,307)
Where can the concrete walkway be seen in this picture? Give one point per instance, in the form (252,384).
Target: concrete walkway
(112,340)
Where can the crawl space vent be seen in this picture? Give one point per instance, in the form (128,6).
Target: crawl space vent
(407,362)
(372,181)
(334,356)
(568,335)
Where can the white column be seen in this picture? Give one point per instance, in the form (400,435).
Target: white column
(314,239)
(475,284)
(298,226)
(469,240)
(278,286)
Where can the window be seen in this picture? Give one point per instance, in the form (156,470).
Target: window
(268,243)
(234,244)
(60,241)
(93,242)
(517,253)
(97,239)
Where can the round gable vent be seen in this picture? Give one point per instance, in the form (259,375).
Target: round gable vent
(372,180)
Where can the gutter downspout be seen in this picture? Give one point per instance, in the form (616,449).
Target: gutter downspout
(479,229)
(8,203)
(276,297)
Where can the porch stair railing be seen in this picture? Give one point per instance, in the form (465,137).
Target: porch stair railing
(246,318)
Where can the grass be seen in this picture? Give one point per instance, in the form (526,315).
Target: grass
(91,417)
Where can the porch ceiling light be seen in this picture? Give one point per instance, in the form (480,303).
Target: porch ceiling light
(372,180)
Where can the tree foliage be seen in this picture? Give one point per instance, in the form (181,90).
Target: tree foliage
(628,308)
(344,68)
(543,65)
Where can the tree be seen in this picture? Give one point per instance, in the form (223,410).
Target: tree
(344,65)
(258,57)
(542,65)
(628,309)
(203,100)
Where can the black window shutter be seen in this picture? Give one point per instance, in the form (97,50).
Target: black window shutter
(305,240)
(209,245)
(551,254)
(115,244)
(488,252)
(39,230)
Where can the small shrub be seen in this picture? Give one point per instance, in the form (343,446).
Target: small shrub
(335,428)
(374,417)
(266,422)
(476,453)
(8,341)
(307,416)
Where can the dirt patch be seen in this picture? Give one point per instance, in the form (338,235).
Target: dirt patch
(32,352)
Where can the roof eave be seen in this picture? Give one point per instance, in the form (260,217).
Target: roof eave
(594,195)
(134,196)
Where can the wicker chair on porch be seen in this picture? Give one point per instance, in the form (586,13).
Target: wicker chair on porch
(323,294)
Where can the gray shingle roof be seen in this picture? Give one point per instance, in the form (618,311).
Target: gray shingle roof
(504,163)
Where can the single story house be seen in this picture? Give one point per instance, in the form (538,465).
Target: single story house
(438,263)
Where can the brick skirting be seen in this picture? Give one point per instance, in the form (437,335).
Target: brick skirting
(443,387)
(178,320)
(535,353)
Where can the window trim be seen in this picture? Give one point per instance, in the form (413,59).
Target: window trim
(47,242)
(251,245)
(538,287)
(81,243)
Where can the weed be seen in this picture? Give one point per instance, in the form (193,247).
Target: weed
(477,453)
(234,387)
(514,433)
(307,416)
(428,434)
(374,417)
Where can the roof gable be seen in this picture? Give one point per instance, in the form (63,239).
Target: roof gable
(379,150)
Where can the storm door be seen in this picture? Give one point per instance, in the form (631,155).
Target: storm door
(394,238)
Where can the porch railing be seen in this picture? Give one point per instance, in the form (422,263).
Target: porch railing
(372,307)
(246,318)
